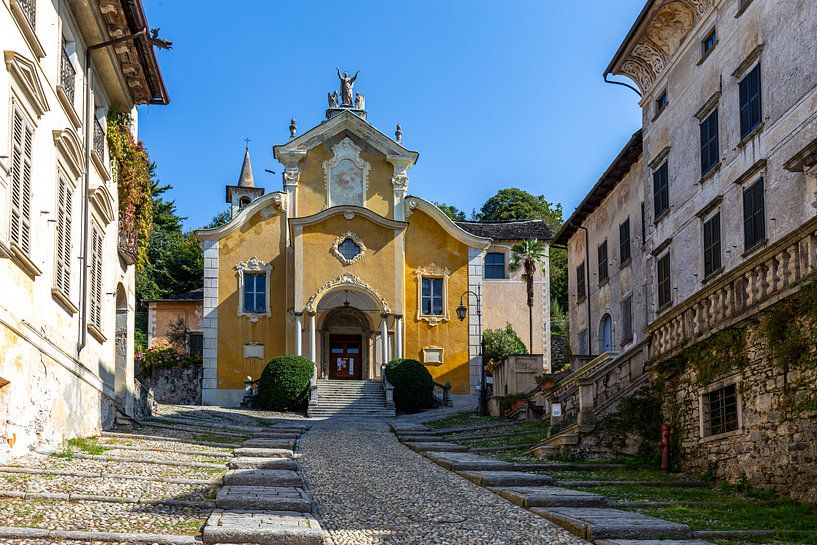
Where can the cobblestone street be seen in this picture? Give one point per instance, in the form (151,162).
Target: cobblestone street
(369,489)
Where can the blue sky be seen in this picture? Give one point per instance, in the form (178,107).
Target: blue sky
(492,94)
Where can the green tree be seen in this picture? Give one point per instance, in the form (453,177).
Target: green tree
(516,204)
(528,255)
(219,219)
(499,344)
(451,211)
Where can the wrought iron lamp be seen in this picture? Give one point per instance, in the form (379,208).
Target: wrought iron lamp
(462,311)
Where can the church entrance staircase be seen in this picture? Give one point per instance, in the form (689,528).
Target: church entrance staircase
(350,398)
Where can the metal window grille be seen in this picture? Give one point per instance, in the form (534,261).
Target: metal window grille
(721,411)
(68,75)
(349,249)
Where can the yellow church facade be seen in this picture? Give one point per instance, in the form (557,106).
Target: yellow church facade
(346,268)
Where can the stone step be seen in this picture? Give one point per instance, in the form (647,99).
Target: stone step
(352,414)
(402,427)
(465,461)
(652,542)
(264,498)
(548,496)
(59,536)
(419,438)
(254,462)
(277,435)
(506,478)
(262,477)
(262,452)
(262,528)
(439,446)
(286,444)
(594,523)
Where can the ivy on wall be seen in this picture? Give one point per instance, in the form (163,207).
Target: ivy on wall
(710,358)
(132,166)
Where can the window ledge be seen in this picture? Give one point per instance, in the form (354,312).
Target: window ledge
(626,263)
(628,340)
(743,8)
(28,31)
(581,300)
(433,319)
(70,111)
(24,262)
(725,435)
(660,217)
(708,53)
(664,307)
(101,169)
(714,169)
(604,281)
(758,245)
(254,316)
(96,333)
(754,132)
(64,301)
(658,113)
(714,274)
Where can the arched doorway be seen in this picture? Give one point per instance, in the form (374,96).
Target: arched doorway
(347,335)
(606,334)
(123,401)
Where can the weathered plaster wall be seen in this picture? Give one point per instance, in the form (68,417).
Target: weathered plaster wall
(427,243)
(261,236)
(165,313)
(312,185)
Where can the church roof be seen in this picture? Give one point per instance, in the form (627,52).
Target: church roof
(508,230)
(245,179)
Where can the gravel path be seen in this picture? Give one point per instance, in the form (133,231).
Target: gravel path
(370,489)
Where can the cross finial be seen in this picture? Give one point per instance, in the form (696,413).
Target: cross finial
(246,143)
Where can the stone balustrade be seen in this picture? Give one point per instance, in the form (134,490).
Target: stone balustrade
(768,276)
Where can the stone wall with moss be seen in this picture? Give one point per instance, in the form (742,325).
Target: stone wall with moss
(773,362)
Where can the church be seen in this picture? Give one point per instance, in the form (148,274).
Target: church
(347,268)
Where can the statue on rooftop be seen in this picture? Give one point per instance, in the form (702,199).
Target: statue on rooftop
(333,99)
(346,84)
(360,102)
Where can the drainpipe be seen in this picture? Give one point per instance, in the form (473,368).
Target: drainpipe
(83,323)
(587,288)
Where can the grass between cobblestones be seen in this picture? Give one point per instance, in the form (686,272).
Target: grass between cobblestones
(464,419)
(214,438)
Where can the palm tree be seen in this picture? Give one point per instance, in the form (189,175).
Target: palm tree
(527,255)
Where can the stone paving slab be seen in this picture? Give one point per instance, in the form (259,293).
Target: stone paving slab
(600,523)
(270,443)
(652,542)
(398,427)
(548,496)
(505,478)
(281,434)
(264,498)
(263,452)
(253,462)
(438,446)
(7,532)
(420,438)
(262,477)
(465,461)
(262,528)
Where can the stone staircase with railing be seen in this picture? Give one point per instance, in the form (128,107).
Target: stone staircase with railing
(350,398)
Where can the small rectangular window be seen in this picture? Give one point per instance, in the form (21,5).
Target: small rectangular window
(710,152)
(660,185)
(709,43)
(661,103)
(195,345)
(603,266)
(255,293)
(721,411)
(754,220)
(494,265)
(751,106)
(581,283)
(664,281)
(712,245)
(627,319)
(624,242)
(432,304)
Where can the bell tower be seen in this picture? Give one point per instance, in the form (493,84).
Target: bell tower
(239,196)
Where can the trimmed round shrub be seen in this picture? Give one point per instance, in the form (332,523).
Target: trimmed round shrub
(284,384)
(413,385)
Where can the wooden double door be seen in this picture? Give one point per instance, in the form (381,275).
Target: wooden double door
(345,357)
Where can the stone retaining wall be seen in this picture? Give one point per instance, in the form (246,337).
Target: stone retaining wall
(558,354)
(175,385)
(775,445)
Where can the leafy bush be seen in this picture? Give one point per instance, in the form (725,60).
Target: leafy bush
(163,357)
(501,343)
(284,383)
(413,385)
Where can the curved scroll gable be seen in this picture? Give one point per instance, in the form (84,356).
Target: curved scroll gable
(275,202)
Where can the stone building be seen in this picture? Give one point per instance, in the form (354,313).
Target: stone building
(728,173)
(348,269)
(66,359)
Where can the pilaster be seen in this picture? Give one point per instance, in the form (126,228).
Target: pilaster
(210,323)
(475,277)
(399,181)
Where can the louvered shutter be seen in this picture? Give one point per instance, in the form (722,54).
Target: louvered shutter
(96,278)
(63,272)
(748,216)
(758,205)
(715,249)
(708,248)
(22,148)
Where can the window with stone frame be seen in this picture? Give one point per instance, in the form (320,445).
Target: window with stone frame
(720,411)
(255,292)
(664,283)
(709,43)
(432,303)
(754,216)
(494,265)
(624,243)
(712,245)
(349,249)
(710,152)
(22,147)
(581,283)
(751,102)
(660,185)
(604,271)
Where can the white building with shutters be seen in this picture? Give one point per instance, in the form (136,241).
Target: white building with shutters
(66,338)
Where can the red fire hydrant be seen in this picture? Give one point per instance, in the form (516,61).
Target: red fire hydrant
(664,445)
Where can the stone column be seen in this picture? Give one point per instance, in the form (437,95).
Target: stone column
(398,337)
(384,338)
(313,344)
(299,333)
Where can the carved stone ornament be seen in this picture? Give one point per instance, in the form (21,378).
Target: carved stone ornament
(253,265)
(335,249)
(432,271)
(346,175)
(279,200)
(346,279)
(291,175)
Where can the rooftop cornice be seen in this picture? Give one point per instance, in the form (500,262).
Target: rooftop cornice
(659,32)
